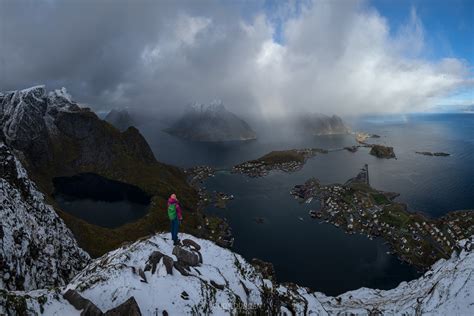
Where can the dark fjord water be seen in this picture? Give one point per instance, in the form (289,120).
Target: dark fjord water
(100,201)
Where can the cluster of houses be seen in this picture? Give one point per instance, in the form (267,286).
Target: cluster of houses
(415,239)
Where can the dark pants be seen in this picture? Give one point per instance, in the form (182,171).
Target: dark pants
(174,229)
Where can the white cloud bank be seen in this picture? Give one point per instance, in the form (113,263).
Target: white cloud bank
(335,57)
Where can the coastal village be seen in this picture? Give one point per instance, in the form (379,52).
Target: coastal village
(358,208)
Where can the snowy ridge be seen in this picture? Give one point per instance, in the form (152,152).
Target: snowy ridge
(37,250)
(225,284)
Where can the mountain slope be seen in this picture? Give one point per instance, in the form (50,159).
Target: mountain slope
(37,249)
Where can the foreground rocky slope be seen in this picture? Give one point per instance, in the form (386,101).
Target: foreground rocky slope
(36,248)
(203,278)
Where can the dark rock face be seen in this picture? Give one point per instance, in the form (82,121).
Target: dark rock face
(127,308)
(23,126)
(381,151)
(121,119)
(155,258)
(185,256)
(191,243)
(98,143)
(35,122)
(319,124)
(87,308)
(265,268)
(80,303)
(212,123)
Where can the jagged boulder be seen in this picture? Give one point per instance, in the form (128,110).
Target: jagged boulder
(127,308)
(154,260)
(191,243)
(186,256)
(86,307)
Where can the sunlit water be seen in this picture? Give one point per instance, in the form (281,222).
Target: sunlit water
(319,255)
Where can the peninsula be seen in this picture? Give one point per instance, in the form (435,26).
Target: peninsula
(356,207)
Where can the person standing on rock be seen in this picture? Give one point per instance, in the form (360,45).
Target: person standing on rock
(175,216)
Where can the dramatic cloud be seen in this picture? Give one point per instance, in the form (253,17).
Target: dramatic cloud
(321,56)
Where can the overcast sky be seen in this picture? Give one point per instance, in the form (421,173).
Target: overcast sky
(262,57)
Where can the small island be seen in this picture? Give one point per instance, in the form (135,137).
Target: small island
(381,151)
(356,207)
(284,160)
(436,154)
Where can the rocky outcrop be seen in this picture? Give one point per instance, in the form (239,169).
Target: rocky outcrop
(381,151)
(186,256)
(22,122)
(84,305)
(37,250)
(211,123)
(121,119)
(225,283)
(128,308)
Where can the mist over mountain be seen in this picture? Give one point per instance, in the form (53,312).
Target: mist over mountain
(121,119)
(211,123)
(342,57)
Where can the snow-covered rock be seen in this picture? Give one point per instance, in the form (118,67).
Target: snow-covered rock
(37,250)
(225,283)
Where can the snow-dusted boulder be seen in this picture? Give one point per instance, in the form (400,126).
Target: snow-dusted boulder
(37,250)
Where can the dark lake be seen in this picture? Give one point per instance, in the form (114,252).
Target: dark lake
(99,200)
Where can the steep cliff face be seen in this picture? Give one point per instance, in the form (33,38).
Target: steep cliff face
(37,249)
